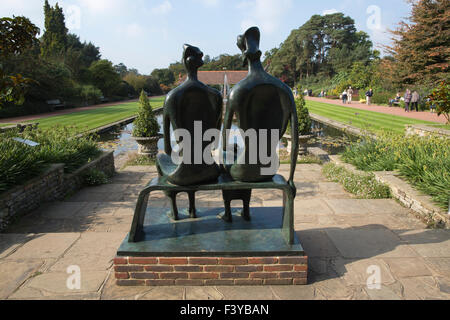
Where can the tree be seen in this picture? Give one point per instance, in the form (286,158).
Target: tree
(163,76)
(440,97)
(54,40)
(104,76)
(146,125)
(421,48)
(121,69)
(324,45)
(17,35)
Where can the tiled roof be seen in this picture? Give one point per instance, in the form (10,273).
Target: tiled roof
(217,77)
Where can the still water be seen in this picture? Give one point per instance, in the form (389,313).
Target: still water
(327,138)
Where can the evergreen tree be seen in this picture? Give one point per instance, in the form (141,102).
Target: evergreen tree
(421,48)
(54,40)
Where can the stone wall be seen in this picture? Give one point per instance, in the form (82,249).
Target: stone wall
(51,185)
(425,130)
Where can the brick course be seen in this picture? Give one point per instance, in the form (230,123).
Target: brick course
(210,271)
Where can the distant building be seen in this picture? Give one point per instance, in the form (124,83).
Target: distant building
(223,78)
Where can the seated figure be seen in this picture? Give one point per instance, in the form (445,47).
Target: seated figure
(191,102)
(259,102)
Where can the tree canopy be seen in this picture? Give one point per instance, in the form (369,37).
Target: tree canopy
(324,45)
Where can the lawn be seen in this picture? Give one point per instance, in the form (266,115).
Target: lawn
(91,119)
(5,124)
(368,120)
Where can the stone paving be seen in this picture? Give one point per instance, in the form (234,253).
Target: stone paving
(343,237)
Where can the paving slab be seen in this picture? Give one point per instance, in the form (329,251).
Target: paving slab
(14,273)
(246,293)
(440,266)
(9,243)
(368,242)
(203,293)
(294,292)
(384,293)
(311,207)
(358,272)
(422,288)
(164,293)
(408,267)
(45,246)
(88,255)
(316,243)
(433,243)
(55,284)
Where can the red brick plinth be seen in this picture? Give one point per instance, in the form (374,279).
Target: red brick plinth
(211,271)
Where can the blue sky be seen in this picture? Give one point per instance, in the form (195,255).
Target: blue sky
(148,34)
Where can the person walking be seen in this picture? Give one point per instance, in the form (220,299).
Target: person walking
(369,95)
(415,98)
(344,97)
(408,98)
(350,94)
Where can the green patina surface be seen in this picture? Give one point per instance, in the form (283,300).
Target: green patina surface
(209,235)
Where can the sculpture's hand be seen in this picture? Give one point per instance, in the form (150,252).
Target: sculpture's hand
(293,187)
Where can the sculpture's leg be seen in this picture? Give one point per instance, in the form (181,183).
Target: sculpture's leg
(192,210)
(288,215)
(246,197)
(227,201)
(173,203)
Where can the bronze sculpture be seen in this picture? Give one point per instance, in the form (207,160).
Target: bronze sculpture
(191,102)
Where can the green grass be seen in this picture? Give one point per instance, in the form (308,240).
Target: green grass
(442,126)
(83,121)
(5,124)
(368,120)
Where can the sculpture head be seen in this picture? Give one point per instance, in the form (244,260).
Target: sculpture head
(192,57)
(249,45)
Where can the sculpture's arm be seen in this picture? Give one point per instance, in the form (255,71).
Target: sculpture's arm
(294,148)
(166,125)
(227,125)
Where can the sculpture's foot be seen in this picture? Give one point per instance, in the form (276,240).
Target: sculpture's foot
(193,213)
(227,217)
(246,214)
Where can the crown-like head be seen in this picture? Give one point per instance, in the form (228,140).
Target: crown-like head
(192,57)
(249,45)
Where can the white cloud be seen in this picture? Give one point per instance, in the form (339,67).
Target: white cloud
(330,11)
(163,8)
(266,14)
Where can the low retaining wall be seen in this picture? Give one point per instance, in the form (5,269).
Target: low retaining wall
(51,185)
(341,126)
(425,130)
(422,205)
(210,271)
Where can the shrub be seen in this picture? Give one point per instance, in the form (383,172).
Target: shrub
(90,94)
(304,120)
(20,162)
(95,177)
(146,124)
(440,97)
(423,161)
(364,186)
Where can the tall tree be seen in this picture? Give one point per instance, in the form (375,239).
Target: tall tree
(421,47)
(54,40)
(17,35)
(323,45)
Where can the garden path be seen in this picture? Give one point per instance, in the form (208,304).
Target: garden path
(342,236)
(397,111)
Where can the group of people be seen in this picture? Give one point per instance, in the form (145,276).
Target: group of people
(411,100)
(347,95)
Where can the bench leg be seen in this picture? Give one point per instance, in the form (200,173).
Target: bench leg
(227,217)
(192,210)
(173,204)
(246,197)
(137,226)
(288,216)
